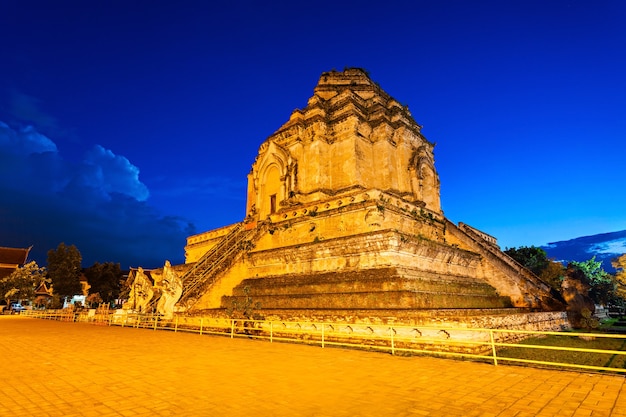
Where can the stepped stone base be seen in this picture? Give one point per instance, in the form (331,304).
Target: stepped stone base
(392,295)
(379,288)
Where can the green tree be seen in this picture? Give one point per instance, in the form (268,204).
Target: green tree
(601,283)
(619,264)
(533,258)
(553,274)
(104,279)
(64,270)
(22,283)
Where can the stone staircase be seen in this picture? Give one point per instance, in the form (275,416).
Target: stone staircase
(201,276)
(496,252)
(547,298)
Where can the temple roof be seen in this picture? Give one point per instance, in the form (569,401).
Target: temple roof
(11,258)
(43,290)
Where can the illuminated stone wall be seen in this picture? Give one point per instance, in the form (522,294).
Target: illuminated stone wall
(350,136)
(344,202)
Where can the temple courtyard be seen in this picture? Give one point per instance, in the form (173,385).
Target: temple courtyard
(54,368)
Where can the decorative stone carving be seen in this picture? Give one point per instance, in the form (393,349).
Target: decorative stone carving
(141,292)
(171,288)
(374,217)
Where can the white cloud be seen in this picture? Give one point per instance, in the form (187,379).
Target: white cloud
(31,159)
(114,174)
(98,204)
(616,247)
(24,141)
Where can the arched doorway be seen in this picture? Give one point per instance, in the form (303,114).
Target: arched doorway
(271,188)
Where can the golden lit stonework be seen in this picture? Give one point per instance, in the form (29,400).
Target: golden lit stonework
(343,216)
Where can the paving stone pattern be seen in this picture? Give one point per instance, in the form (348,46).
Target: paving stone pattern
(65,369)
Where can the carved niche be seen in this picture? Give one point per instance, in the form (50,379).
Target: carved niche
(271,182)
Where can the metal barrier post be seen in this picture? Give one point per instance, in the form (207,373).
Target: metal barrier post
(176,325)
(323,334)
(493,348)
(201,323)
(232,328)
(156,321)
(271,333)
(393,347)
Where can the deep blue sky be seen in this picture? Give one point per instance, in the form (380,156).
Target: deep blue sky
(127,125)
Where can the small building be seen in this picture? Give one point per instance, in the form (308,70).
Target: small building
(43,295)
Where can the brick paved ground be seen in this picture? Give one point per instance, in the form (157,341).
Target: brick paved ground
(53,368)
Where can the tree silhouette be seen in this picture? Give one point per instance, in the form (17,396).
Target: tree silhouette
(104,279)
(64,270)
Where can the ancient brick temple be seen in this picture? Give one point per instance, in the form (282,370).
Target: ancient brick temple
(343,218)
